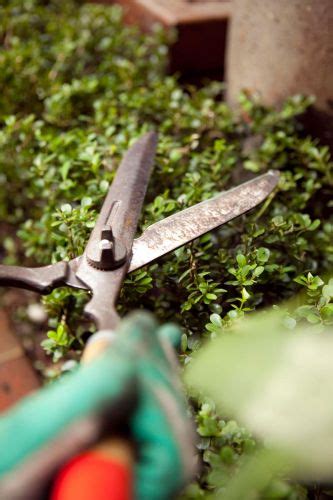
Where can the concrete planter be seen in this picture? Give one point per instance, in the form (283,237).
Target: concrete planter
(280,48)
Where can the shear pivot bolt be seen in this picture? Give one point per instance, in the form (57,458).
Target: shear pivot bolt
(105,245)
(108,253)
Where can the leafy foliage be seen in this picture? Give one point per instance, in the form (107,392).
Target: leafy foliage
(77,88)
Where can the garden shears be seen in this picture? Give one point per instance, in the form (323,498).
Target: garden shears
(137,372)
(112,251)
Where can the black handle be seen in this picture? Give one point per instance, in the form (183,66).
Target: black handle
(38,279)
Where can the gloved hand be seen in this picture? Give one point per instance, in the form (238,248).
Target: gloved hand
(134,381)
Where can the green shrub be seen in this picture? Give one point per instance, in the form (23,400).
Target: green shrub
(77,88)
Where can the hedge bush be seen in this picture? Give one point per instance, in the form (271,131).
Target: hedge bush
(77,88)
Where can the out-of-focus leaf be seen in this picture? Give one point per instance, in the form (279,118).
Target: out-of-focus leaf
(276,382)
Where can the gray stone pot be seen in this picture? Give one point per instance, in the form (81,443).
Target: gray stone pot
(284,47)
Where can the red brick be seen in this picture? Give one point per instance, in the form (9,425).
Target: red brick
(17,376)
(201,27)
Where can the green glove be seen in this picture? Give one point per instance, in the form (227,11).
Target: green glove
(135,379)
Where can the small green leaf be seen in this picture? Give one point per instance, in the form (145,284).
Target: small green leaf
(263,254)
(258,271)
(216,319)
(66,208)
(241,260)
(327,312)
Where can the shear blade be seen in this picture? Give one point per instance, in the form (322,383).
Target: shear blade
(119,214)
(183,227)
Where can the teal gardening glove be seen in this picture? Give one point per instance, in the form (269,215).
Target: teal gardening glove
(134,379)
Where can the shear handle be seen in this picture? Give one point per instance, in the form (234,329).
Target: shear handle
(37,279)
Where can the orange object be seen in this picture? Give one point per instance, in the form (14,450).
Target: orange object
(93,476)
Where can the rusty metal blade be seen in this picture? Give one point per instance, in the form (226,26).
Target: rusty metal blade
(122,205)
(183,227)
(121,211)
